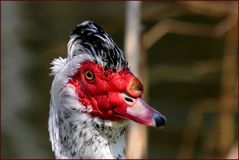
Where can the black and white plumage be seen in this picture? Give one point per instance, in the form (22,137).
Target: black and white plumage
(90,38)
(93,94)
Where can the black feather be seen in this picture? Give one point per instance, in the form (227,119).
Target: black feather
(89,38)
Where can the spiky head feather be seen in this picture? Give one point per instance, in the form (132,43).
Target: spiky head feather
(89,38)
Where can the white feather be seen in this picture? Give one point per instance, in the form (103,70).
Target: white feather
(57,65)
(64,99)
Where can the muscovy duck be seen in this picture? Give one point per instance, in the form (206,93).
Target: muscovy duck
(93,95)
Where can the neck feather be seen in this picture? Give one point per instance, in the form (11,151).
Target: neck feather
(78,135)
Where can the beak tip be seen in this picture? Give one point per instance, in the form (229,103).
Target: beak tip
(159,120)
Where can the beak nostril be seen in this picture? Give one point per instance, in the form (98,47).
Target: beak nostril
(128,99)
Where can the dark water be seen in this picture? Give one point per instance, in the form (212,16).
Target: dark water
(35,33)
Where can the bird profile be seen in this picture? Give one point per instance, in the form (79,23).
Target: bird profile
(93,95)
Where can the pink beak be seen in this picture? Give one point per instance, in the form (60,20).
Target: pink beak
(139,111)
(131,106)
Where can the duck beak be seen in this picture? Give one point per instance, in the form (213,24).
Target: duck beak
(142,113)
(130,105)
(139,111)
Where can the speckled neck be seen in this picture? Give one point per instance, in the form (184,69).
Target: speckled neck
(78,135)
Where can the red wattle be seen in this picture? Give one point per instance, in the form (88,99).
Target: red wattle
(102,92)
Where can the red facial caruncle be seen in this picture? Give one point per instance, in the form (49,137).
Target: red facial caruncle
(113,95)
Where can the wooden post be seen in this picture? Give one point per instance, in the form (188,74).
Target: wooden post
(227,106)
(137,135)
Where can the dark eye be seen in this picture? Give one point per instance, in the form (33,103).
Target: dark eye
(89,75)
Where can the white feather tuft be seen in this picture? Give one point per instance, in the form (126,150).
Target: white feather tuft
(57,65)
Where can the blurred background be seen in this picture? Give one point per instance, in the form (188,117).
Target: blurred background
(188,63)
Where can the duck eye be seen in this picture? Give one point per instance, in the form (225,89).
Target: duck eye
(89,75)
